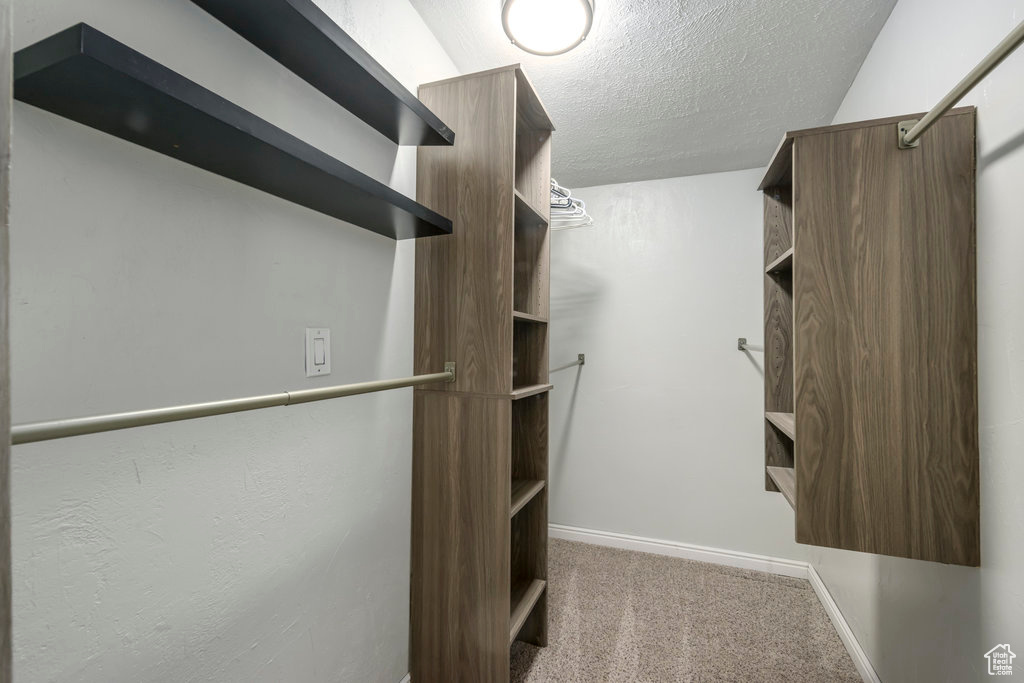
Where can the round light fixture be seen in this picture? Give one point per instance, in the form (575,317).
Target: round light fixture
(547,27)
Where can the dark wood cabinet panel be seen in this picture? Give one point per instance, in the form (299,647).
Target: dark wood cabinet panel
(884,343)
(460,552)
(464,282)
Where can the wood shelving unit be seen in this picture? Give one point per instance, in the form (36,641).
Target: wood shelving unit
(300,35)
(871,337)
(88,77)
(480,460)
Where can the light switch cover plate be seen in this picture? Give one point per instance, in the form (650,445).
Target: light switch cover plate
(318,351)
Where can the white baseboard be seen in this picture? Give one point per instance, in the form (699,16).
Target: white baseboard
(407,679)
(857,654)
(731,558)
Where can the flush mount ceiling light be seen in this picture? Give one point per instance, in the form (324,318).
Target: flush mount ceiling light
(547,27)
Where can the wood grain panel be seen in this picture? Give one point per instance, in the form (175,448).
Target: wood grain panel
(530,438)
(529,107)
(464,281)
(460,538)
(780,167)
(5,376)
(885,315)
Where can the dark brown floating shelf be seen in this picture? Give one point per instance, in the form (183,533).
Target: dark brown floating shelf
(524,596)
(526,216)
(781,264)
(523,491)
(88,77)
(301,36)
(523,392)
(786,481)
(786,422)
(528,317)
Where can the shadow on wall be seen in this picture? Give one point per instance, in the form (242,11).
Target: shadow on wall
(913,585)
(1003,150)
(575,292)
(563,444)
(753,361)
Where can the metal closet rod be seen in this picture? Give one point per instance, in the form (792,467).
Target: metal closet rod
(59,429)
(581,359)
(991,61)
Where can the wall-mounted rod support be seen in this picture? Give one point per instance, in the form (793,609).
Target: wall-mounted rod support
(581,359)
(910,131)
(59,429)
(742,345)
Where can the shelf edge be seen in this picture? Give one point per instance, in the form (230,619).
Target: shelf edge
(786,423)
(528,493)
(520,611)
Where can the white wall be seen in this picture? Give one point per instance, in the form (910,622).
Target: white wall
(266,546)
(920,621)
(661,433)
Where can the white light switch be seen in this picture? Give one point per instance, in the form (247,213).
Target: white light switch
(318,351)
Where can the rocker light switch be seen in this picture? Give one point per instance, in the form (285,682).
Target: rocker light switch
(318,351)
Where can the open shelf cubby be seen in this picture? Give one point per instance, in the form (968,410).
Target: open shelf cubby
(780,422)
(529,354)
(529,511)
(88,77)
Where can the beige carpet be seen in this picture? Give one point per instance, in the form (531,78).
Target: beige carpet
(622,616)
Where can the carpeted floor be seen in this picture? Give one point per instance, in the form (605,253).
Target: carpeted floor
(621,616)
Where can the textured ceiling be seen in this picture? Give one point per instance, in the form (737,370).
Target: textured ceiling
(665,88)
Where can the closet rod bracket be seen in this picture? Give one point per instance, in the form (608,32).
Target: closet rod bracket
(902,128)
(449,367)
